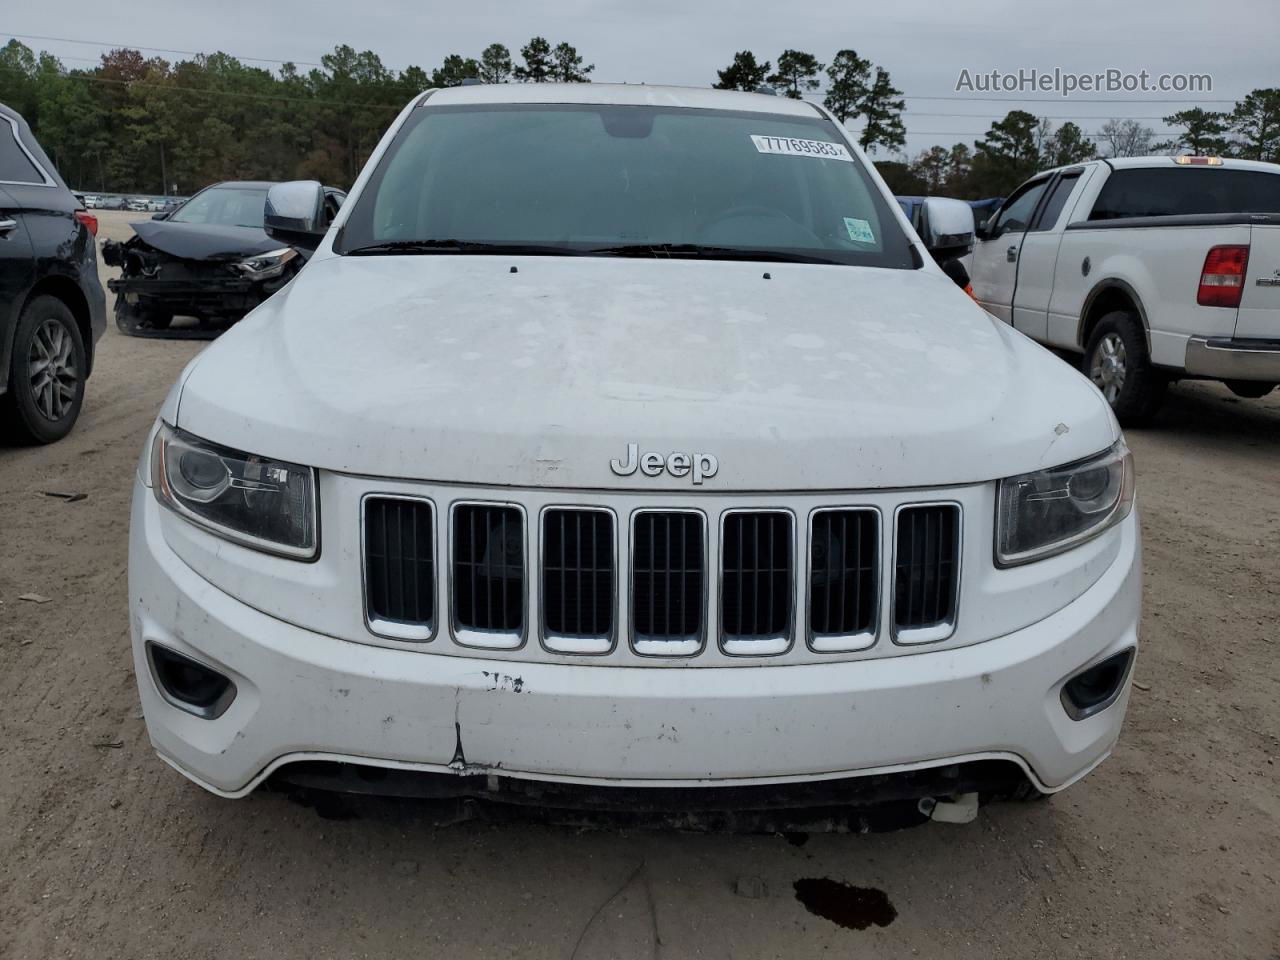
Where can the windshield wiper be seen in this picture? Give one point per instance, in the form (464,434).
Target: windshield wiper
(698,250)
(446,246)
(654,250)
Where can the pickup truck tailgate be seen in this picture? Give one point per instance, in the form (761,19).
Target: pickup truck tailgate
(1259,315)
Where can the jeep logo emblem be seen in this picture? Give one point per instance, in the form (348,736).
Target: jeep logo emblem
(699,466)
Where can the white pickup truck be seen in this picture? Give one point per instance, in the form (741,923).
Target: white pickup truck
(1154,268)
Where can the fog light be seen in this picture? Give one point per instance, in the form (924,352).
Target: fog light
(1095,689)
(188,684)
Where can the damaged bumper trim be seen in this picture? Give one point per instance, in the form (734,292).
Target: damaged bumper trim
(183,288)
(991,771)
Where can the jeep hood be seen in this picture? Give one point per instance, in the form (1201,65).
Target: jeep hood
(540,370)
(203,241)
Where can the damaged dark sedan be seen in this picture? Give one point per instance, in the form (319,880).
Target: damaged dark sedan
(209,259)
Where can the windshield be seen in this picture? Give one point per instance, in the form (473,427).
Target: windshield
(224,207)
(624,180)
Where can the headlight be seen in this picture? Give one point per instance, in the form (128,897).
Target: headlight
(1044,513)
(262,503)
(266,265)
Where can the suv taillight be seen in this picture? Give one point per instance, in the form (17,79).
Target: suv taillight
(1222,280)
(89,220)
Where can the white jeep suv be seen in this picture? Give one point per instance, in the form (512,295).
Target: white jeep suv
(626,437)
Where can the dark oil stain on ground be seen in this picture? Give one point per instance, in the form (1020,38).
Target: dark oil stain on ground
(797,839)
(854,908)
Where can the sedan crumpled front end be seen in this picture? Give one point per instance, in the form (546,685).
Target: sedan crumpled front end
(160,280)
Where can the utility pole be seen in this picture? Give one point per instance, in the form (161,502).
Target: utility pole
(164,174)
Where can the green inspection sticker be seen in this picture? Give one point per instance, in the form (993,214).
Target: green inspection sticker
(859,230)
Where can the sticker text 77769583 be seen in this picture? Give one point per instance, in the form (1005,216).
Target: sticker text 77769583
(795,147)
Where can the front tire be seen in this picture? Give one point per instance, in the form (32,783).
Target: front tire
(46,373)
(1117,361)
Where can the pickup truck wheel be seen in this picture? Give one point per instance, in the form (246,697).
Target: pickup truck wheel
(46,374)
(1116,360)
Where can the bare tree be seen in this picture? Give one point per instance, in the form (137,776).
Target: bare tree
(1127,138)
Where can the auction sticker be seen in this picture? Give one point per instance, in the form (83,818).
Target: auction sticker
(859,230)
(794,147)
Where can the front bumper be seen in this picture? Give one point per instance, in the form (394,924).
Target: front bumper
(212,295)
(1222,358)
(302,695)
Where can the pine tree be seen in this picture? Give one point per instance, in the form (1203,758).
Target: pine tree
(454,70)
(797,71)
(1067,145)
(495,64)
(538,65)
(567,65)
(882,108)
(847,78)
(743,74)
(1256,122)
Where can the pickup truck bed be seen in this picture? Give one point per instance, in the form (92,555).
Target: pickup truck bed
(1172,265)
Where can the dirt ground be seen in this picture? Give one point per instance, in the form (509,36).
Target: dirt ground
(1170,849)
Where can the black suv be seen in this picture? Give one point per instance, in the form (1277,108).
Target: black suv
(52,307)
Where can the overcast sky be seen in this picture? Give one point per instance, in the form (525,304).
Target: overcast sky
(924,45)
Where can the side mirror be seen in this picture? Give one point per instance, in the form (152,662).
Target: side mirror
(294,214)
(162,215)
(947,224)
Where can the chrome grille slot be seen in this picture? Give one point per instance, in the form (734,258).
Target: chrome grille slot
(620,578)
(844,560)
(757,581)
(668,582)
(488,568)
(399,578)
(577,580)
(926,572)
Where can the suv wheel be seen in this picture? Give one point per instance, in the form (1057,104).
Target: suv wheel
(1116,360)
(46,373)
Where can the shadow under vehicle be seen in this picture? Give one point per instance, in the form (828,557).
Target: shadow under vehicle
(209,258)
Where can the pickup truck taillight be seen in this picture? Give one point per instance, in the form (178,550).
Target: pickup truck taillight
(89,220)
(1222,280)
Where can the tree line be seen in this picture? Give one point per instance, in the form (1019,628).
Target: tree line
(853,91)
(1020,144)
(137,124)
(141,124)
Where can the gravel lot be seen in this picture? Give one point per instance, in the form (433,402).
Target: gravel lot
(1170,849)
